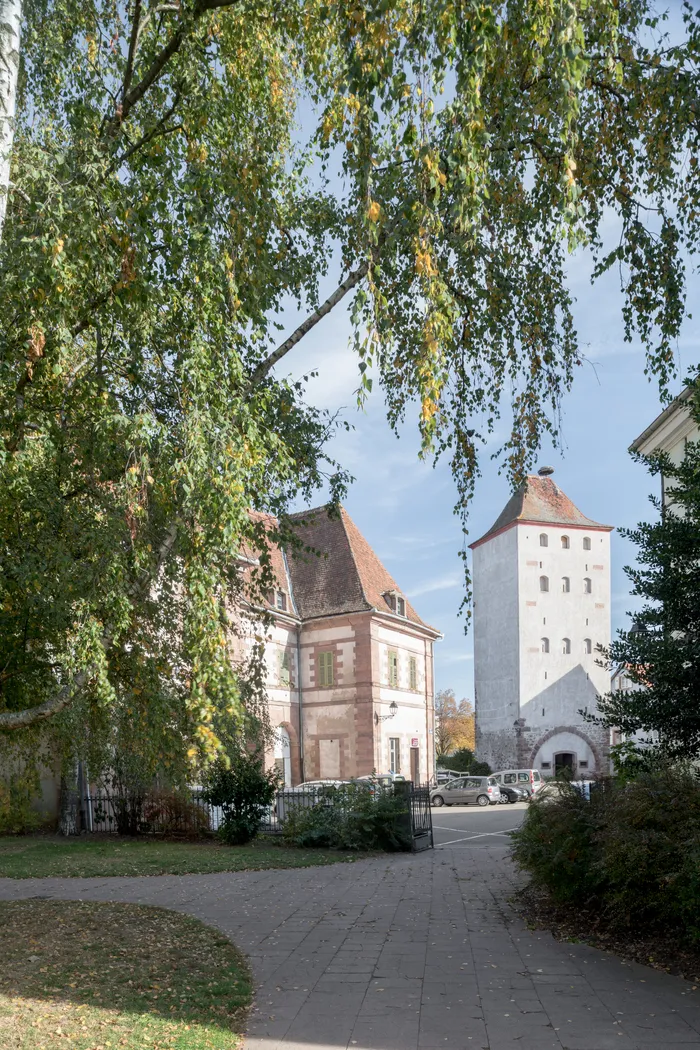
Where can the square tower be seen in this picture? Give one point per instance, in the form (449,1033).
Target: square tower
(541,583)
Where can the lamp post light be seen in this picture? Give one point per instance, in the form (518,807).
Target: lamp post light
(393,708)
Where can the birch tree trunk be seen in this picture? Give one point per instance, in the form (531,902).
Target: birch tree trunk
(10,20)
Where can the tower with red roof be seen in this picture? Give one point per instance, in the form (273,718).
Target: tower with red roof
(541,588)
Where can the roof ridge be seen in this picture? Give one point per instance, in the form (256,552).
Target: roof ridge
(343,515)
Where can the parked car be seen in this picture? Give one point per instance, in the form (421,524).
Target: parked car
(510,793)
(553,789)
(385,779)
(306,795)
(529,779)
(463,791)
(443,776)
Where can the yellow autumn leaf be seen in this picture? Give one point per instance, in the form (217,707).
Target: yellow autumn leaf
(373,212)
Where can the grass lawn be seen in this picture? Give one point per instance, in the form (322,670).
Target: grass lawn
(100,976)
(41,856)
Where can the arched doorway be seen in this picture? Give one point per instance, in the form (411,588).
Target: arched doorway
(565,761)
(283,755)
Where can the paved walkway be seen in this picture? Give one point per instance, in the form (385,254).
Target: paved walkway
(411,953)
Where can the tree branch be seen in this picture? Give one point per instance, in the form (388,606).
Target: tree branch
(158,129)
(11,720)
(157,67)
(129,71)
(325,308)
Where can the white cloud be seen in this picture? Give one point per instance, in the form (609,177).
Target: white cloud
(442,583)
(447,657)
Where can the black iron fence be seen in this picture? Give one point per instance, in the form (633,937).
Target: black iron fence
(151,813)
(166,814)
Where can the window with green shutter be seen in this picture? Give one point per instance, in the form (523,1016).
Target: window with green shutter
(412,673)
(285,676)
(393,668)
(325,669)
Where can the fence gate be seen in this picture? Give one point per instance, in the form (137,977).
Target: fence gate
(421,818)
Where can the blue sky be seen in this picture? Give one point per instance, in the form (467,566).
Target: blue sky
(404,506)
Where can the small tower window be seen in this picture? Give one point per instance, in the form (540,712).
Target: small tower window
(565,584)
(587,646)
(544,542)
(281,601)
(545,645)
(566,646)
(544,583)
(587,587)
(565,543)
(586,543)
(400,606)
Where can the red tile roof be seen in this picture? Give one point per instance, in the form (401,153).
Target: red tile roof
(541,501)
(345,576)
(278,562)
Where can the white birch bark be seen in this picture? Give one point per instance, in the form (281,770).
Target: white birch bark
(10,20)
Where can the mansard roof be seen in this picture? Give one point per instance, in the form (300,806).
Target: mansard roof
(345,576)
(539,500)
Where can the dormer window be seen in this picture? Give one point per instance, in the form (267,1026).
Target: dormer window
(396,602)
(281,601)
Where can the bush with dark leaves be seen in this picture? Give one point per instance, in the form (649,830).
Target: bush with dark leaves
(244,790)
(353,817)
(633,850)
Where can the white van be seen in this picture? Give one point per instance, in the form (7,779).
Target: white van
(529,779)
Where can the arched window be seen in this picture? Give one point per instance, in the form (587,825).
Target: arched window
(544,542)
(586,543)
(544,583)
(565,584)
(587,586)
(565,543)
(587,646)
(566,646)
(545,645)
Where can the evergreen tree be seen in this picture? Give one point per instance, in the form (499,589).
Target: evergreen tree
(662,652)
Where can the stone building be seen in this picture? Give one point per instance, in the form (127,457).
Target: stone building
(541,586)
(349,661)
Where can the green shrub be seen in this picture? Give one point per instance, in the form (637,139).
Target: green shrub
(633,850)
(17,817)
(350,817)
(649,851)
(556,844)
(244,790)
(461,760)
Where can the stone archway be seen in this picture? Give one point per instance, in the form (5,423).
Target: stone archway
(576,732)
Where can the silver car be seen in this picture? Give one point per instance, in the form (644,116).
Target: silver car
(484,791)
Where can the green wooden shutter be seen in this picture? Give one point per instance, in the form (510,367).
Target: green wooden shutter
(284,667)
(413,673)
(393,668)
(325,669)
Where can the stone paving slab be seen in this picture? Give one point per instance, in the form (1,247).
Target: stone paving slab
(410,953)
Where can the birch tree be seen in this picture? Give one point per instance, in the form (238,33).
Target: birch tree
(10,23)
(167,207)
